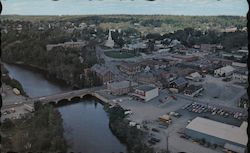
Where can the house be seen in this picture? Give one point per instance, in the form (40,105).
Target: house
(103,73)
(240,75)
(193,90)
(130,68)
(194,76)
(224,71)
(179,84)
(146,92)
(121,88)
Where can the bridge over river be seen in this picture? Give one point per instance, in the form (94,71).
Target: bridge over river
(56,98)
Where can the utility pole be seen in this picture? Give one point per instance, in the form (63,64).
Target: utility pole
(167,142)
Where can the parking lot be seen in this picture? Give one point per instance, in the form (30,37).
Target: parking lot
(219,92)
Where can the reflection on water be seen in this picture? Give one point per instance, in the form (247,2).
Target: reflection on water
(86,125)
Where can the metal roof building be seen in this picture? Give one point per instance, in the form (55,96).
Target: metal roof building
(217,132)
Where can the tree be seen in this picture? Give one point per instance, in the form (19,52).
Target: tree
(7,124)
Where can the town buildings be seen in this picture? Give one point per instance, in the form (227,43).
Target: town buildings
(130,68)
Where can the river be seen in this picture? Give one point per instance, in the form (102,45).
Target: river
(84,121)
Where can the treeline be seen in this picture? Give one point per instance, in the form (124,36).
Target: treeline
(145,20)
(131,136)
(190,37)
(38,132)
(66,64)
(11,82)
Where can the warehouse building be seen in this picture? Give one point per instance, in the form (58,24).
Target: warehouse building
(231,137)
(224,71)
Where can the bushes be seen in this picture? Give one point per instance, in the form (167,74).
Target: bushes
(131,136)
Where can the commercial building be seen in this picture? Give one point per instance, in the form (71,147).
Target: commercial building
(230,137)
(224,71)
(146,92)
(130,68)
(103,73)
(121,88)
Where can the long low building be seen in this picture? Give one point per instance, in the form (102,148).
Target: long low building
(219,133)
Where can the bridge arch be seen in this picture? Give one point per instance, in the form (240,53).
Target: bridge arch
(53,103)
(64,100)
(75,98)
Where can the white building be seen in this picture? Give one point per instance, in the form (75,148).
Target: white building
(194,76)
(219,133)
(146,92)
(224,71)
(240,76)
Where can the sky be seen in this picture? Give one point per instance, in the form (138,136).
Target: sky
(90,7)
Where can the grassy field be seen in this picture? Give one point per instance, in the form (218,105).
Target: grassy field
(118,54)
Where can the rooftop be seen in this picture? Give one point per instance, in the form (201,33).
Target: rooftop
(180,81)
(221,130)
(146,87)
(122,84)
(227,68)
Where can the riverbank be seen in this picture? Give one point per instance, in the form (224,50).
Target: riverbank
(131,136)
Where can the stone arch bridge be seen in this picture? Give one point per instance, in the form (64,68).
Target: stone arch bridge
(56,98)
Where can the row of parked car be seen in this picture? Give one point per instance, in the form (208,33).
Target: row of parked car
(199,108)
(153,138)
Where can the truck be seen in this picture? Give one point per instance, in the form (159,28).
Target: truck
(16,91)
(29,108)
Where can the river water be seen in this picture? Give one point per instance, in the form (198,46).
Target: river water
(84,121)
